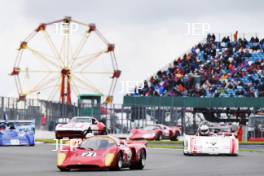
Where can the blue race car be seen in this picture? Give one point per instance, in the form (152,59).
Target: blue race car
(17,132)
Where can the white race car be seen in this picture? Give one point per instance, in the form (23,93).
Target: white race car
(79,127)
(211,141)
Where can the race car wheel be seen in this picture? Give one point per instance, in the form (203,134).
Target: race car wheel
(188,154)
(142,160)
(104,132)
(175,138)
(119,162)
(158,137)
(141,163)
(57,137)
(64,169)
(234,154)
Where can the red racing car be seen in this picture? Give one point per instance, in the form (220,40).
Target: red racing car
(155,132)
(169,132)
(102,152)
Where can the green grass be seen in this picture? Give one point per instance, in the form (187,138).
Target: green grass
(168,144)
(46,141)
(181,142)
(51,141)
(251,143)
(251,151)
(181,148)
(165,142)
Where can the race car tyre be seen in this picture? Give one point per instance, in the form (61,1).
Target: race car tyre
(104,131)
(119,162)
(158,137)
(175,137)
(64,169)
(187,154)
(141,163)
(234,155)
(57,137)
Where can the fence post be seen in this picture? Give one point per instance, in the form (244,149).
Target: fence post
(2,105)
(183,120)
(127,118)
(122,120)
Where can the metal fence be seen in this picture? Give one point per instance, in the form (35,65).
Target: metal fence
(117,117)
(36,109)
(121,119)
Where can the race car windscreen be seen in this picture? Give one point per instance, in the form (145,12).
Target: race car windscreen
(96,143)
(81,120)
(151,128)
(23,123)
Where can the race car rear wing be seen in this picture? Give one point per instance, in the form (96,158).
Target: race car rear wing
(20,122)
(33,121)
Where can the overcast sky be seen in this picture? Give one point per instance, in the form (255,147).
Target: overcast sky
(148,34)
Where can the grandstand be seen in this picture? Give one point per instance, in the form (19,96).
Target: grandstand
(212,68)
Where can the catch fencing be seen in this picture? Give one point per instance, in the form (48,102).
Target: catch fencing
(45,113)
(117,117)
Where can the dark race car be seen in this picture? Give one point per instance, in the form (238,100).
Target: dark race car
(102,152)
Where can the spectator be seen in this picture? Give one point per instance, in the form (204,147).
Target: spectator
(212,69)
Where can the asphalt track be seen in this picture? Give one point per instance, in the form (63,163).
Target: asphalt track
(40,161)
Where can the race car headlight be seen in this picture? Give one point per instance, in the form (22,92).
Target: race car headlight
(60,158)
(109,159)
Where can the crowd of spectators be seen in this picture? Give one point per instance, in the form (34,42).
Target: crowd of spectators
(212,68)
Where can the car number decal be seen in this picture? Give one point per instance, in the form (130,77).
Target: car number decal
(89,154)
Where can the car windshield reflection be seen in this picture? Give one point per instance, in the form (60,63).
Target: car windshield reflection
(96,143)
(81,120)
(151,128)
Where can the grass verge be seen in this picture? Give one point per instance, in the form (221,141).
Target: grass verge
(168,145)
(46,141)
(50,141)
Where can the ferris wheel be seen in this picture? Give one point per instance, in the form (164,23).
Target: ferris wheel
(65,57)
